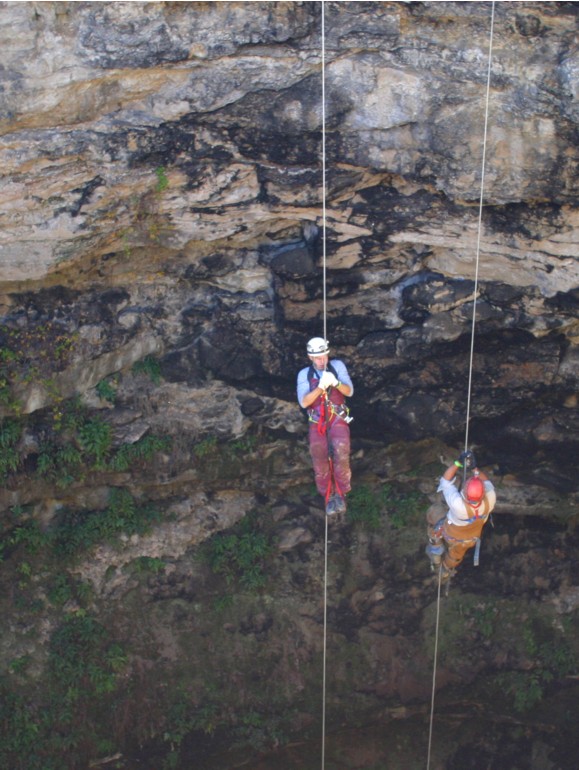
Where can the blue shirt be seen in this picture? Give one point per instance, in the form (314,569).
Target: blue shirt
(303,386)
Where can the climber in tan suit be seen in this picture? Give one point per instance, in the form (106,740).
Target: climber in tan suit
(460,529)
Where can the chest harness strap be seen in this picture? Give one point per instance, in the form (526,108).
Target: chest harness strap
(438,529)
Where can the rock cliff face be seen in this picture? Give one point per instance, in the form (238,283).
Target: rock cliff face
(162,266)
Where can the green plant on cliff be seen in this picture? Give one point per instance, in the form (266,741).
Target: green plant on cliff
(20,664)
(147,565)
(29,536)
(78,442)
(546,657)
(185,716)
(243,446)
(63,587)
(485,619)
(84,665)
(60,464)
(74,414)
(7,358)
(261,731)
(10,432)
(240,555)
(78,531)
(206,447)
(403,505)
(33,354)
(368,506)
(82,659)
(68,716)
(21,731)
(95,438)
(60,589)
(151,367)
(526,688)
(162,179)
(365,507)
(209,447)
(539,651)
(141,451)
(106,389)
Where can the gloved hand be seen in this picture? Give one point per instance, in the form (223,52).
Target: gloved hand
(467,459)
(328,380)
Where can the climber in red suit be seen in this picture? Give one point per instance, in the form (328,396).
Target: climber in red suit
(322,388)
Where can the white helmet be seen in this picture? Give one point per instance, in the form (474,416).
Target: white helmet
(318,346)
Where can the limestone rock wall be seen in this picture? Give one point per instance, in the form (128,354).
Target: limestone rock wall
(162,166)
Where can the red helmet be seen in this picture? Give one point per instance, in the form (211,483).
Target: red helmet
(474,490)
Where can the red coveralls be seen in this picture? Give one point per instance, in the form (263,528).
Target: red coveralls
(329,439)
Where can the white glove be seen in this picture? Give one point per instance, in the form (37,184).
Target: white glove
(328,380)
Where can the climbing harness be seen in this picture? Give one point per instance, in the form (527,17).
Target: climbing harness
(474,540)
(328,409)
(471,359)
(476,515)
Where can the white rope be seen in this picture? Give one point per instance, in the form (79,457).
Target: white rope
(478,240)
(472,337)
(324,302)
(325,640)
(434,667)
(325,338)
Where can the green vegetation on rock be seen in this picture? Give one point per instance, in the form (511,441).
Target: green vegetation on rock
(239,555)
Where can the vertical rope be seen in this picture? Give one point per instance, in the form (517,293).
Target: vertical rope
(324,303)
(480,210)
(434,666)
(470,367)
(324,252)
(324,646)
